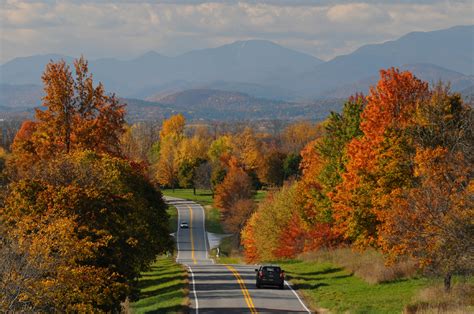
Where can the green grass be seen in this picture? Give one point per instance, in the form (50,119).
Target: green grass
(213,220)
(173,218)
(163,289)
(203,197)
(327,286)
(260,195)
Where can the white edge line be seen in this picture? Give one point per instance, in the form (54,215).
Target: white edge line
(297,296)
(194,289)
(177,233)
(205,233)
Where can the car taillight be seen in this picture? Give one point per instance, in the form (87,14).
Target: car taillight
(260,274)
(282,275)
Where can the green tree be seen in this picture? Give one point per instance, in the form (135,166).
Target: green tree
(291,166)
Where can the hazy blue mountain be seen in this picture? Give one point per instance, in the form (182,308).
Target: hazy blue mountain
(427,72)
(250,61)
(449,48)
(263,69)
(20,96)
(27,70)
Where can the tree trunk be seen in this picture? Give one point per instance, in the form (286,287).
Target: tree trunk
(194,190)
(447,282)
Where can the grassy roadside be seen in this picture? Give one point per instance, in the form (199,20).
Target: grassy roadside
(327,286)
(163,289)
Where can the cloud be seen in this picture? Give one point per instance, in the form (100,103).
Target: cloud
(357,13)
(127,28)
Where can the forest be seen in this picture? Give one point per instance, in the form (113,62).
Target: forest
(81,212)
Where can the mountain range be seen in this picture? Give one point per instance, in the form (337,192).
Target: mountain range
(259,69)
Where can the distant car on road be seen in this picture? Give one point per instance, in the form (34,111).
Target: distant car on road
(270,275)
(184,225)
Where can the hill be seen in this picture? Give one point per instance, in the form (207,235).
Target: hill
(207,104)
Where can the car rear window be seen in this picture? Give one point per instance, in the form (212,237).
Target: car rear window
(271,269)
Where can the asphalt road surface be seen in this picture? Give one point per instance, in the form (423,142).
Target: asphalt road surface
(216,288)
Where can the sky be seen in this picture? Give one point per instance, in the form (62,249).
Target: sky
(126,29)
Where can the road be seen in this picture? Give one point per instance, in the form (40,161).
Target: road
(216,288)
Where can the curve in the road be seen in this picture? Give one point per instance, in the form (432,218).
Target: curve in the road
(223,288)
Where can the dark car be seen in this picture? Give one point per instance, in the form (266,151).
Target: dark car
(270,275)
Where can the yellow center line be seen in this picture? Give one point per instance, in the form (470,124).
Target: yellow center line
(191,233)
(243,288)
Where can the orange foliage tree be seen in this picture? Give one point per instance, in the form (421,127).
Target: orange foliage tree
(379,161)
(236,187)
(77,116)
(431,221)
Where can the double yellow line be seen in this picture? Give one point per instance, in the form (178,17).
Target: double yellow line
(243,288)
(191,233)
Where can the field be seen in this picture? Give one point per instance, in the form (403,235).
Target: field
(163,289)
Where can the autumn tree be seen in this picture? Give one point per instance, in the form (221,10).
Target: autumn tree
(235,187)
(191,153)
(378,161)
(295,136)
(3,178)
(219,147)
(203,176)
(237,216)
(137,141)
(84,226)
(174,126)
(270,223)
(77,115)
(323,163)
(246,148)
(271,169)
(171,135)
(431,220)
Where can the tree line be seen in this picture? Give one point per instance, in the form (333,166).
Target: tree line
(78,220)
(393,171)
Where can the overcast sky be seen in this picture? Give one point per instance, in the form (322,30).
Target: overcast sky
(126,29)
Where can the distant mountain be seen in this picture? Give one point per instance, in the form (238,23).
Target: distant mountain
(255,90)
(261,70)
(249,62)
(449,48)
(27,70)
(20,96)
(426,72)
(208,104)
